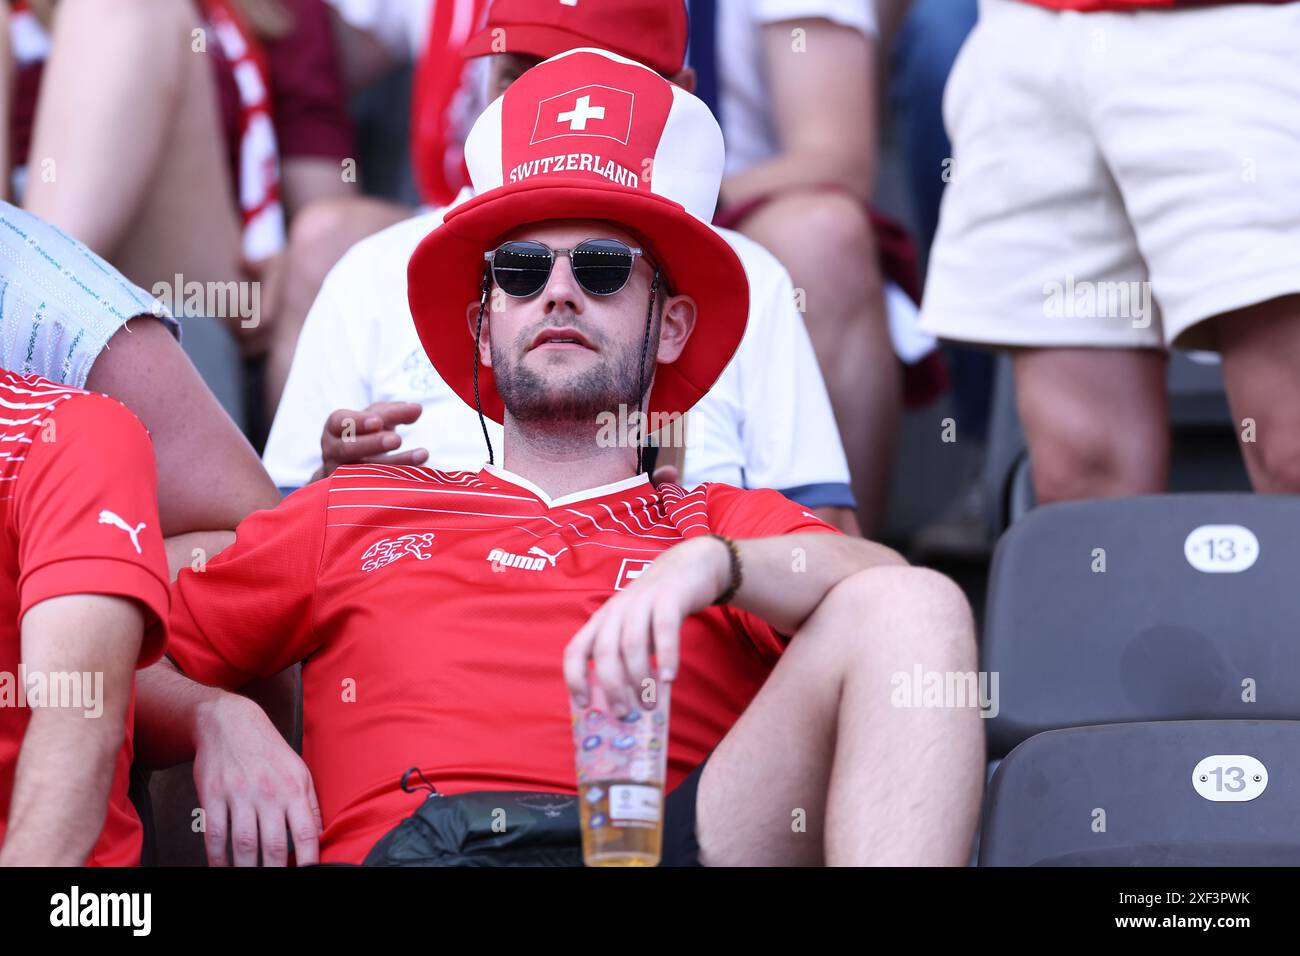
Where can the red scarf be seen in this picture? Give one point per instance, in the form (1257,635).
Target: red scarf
(258,178)
(438,121)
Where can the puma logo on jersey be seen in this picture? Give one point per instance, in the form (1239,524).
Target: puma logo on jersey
(387,550)
(504,559)
(109,517)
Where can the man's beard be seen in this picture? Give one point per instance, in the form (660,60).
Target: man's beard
(554,395)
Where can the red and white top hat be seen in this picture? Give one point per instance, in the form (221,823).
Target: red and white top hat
(589,134)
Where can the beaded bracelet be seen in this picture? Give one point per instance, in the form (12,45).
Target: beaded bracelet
(737,575)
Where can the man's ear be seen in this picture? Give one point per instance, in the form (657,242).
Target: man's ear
(675,327)
(485,336)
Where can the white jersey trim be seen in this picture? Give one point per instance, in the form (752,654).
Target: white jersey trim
(522,482)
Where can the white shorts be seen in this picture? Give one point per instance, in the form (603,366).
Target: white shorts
(1118,178)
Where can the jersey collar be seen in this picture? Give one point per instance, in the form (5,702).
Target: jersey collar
(613,488)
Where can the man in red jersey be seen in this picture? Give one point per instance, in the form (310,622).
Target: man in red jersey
(440,614)
(83,600)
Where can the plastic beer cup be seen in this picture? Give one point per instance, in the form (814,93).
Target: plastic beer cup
(621,763)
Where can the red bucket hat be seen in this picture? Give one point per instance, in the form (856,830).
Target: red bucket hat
(652,32)
(589,135)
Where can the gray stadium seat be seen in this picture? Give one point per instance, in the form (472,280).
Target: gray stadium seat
(1131,795)
(1151,637)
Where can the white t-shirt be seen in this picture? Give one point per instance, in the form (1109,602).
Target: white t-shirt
(766,423)
(747,122)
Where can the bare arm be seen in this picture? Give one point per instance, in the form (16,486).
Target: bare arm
(171,707)
(193,550)
(66,765)
(209,477)
(277,695)
(255,791)
(784,597)
(785,578)
(101,97)
(822,86)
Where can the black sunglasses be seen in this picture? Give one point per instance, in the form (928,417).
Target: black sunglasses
(601,266)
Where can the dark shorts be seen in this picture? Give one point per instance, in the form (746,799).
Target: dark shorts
(681,848)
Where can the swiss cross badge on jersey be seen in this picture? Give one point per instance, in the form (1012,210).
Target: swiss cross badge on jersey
(595,110)
(629,571)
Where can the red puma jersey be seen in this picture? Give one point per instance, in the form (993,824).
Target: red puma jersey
(432,610)
(78,515)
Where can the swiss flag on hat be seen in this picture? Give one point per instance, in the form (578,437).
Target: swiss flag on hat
(592,110)
(594,115)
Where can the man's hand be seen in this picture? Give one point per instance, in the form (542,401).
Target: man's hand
(646,619)
(255,791)
(253,332)
(352,437)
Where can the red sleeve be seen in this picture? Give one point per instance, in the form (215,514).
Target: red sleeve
(248,612)
(307,90)
(87,513)
(758,513)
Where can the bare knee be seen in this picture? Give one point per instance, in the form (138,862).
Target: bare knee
(835,222)
(1093,456)
(822,235)
(319,235)
(1274,453)
(883,612)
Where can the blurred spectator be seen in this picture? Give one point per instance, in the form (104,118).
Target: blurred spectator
(924,45)
(793,84)
(766,423)
(205,170)
(374,37)
(84,593)
(1123,185)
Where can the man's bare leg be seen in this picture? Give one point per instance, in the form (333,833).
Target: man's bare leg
(825,241)
(823,744)
(318,237)
(209,477)
(136,168)
(1261,356)
(1097,421)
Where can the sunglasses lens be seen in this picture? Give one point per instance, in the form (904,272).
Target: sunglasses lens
(521,268)
(602,266)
